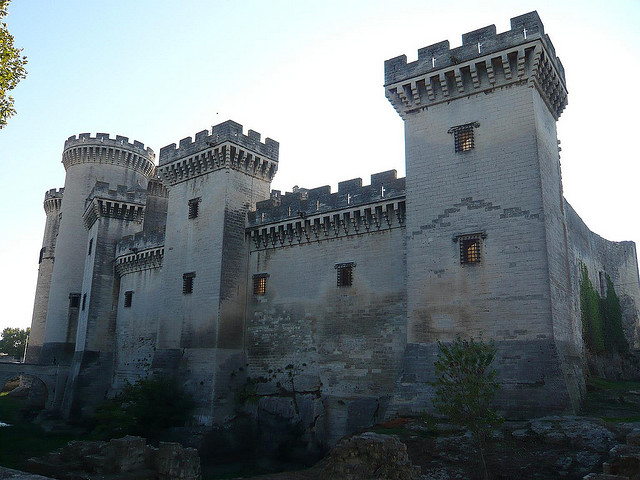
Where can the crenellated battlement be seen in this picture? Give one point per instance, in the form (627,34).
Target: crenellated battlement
(123,202)
(142,251)
(105,150)
(53,200)
(104,138)
(316,215)
(228,131)
(303,203)
(226,146)
(156,188)
(485,60)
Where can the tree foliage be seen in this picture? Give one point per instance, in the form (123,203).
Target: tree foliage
(601,317)
(14,341)
(145,408)
(12,67)
(465,387)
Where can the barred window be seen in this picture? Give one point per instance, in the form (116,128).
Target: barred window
(260,283)
(344,277)
(128,298)
(187,283)
(193,207)
(463,136)
(470,250)
(470,247)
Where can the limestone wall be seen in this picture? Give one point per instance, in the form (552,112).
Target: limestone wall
(212,185)
(603,257)
(338,347)
(87,160)
(52,204)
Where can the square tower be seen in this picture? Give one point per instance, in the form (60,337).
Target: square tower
(487,250)
(213,181)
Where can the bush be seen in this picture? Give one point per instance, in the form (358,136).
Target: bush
(145,408)
(466,386)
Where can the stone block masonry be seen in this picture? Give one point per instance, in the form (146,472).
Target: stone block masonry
(325,308)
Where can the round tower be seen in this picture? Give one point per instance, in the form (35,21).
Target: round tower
(52,204)
(86,160)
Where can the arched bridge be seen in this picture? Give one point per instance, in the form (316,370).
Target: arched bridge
(54,377)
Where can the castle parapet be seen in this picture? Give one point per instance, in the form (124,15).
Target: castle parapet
(123,202)
(53,200)
(225,146)
(142,251)
(484,61)
(106,150)
(302,202)
(156,188)
(228,131)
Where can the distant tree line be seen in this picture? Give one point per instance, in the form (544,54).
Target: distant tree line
(14,341)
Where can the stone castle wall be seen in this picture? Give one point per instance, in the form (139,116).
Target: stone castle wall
(327,307)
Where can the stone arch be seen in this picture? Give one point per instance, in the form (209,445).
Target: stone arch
(37,390)
(49,376)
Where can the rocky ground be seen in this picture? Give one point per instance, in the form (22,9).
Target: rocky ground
(606,437)
(555,447)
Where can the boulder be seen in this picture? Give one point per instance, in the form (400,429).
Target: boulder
(370,456)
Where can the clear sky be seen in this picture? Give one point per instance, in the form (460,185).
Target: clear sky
(308,74)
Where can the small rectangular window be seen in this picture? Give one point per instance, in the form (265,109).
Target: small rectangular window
(90,246)
(470,247)
(187,283)
(42,250)
(344,277)
(74,300)
(463,136)
(260,283)
(128,298)
(193,207)
(470,250)
(84,301)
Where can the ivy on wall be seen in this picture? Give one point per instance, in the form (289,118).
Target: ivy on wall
(601,317)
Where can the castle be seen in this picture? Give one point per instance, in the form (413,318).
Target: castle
(330,305)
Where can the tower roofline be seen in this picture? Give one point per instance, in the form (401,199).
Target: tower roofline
(478,43)
(228,131)
(484,62)
(104,138)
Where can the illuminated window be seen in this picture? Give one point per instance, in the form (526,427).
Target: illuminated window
(193,207)
(260,283)
(470,247)
(463,137)
(344,277)
(128,298)
(187,283)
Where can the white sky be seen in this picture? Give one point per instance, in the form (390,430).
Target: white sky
(308,74)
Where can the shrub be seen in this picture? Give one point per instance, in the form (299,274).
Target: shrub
(146,408)
(465,387)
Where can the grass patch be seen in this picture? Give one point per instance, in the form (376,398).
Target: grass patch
(599,383)
(23,439)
